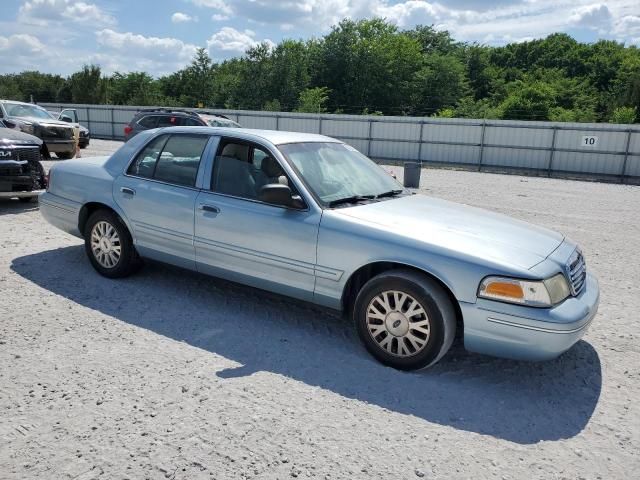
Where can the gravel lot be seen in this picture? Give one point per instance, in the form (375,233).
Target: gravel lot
(170,374)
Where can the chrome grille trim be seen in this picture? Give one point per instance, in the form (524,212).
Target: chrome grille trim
(576,270)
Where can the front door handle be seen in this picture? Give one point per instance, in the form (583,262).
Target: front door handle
(127,190)
(209,208)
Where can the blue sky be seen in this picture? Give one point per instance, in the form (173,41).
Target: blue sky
(160,36)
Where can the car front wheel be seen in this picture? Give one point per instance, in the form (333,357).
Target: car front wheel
(109,246)
(405,319)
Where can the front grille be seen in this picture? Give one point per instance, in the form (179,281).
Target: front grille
(58,133)
(13,170)
(577,272)
(29,154)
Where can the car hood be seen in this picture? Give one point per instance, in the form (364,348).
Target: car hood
(42,121)
(10,137)
(466,230)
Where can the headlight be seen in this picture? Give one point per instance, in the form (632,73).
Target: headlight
(545,293)
(25,127)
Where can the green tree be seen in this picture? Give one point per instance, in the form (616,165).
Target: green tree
(439,84)
(313,100)
(528,102)
(369,64)
(88,86)
(624,115)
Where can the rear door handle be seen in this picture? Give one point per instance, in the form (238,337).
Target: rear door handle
(127,190)
(209,208)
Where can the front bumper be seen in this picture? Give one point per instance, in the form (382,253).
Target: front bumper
(526,333)
(58,146)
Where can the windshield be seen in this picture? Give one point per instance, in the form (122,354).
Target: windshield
(22,110)
(335,171)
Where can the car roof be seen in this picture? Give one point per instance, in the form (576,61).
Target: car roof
(276,137)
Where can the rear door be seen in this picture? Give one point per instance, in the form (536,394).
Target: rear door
(158,194)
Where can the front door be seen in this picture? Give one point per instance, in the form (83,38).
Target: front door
(243,239)
(158,195)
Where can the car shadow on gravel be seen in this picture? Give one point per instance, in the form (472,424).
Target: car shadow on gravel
(11,206)
(517,401)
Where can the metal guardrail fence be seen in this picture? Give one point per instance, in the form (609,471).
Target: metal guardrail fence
(594,150)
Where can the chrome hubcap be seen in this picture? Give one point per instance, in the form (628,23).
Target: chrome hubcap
(398,323)
(105,244)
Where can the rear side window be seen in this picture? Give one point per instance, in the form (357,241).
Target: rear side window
(168,121)
(145,162)
(191,122)
(150,121)
(179,160)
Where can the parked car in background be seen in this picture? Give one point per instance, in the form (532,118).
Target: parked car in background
(164,117)
(34,120)
(70,115)
(308,216)
(21,173)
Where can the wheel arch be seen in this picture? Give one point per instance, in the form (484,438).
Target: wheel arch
(366,272)
(90,207)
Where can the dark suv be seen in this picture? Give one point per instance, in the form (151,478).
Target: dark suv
(21,173)
(34,120)
(164,117)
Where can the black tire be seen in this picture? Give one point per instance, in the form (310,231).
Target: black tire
(33,199)
(438,310)
(65,155)
(128,261)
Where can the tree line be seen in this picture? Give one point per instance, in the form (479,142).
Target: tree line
(372,67)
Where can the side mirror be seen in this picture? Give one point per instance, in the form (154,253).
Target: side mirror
(65,118)
(278,194)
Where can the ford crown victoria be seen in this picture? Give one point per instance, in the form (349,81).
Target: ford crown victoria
(310,217)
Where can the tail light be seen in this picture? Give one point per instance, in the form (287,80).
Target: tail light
(128,130)
(47,180)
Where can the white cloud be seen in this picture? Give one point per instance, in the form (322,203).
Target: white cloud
(180,17)
(220,5)
(45,12)
(21,44)
(229,39)
(495,22)
(137,52)
(596,17)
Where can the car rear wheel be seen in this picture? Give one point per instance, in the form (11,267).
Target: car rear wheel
(405,319)
(109,246)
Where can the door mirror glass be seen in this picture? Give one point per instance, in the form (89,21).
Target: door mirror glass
(276,194)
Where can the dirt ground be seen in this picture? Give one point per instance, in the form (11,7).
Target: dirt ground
(170,374)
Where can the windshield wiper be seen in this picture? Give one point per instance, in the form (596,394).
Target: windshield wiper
(390,193)
(352,199)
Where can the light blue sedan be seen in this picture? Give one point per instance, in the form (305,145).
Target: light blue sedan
(310,217)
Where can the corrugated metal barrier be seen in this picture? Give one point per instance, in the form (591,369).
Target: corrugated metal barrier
(595,150)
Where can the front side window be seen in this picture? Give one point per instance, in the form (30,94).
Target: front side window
(242,169)
(335,171)
(173,159)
